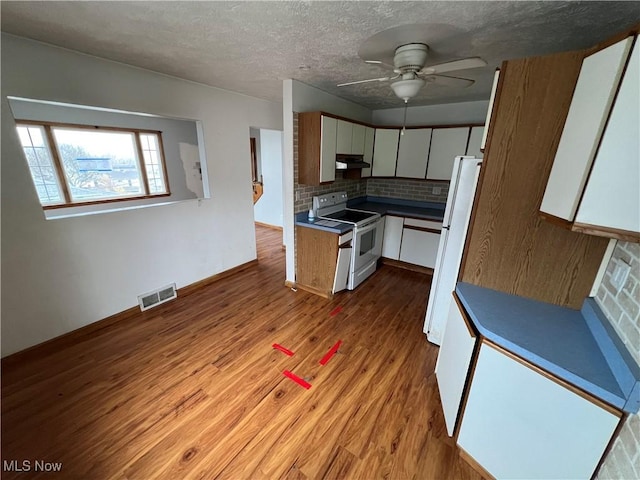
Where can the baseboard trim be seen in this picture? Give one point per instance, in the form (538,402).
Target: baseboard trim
(266,225)
(75,336)
(407,266)
(474,464)
(315,291)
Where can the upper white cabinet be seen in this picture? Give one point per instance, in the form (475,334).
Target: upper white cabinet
(344,137)
(520,423)
(369,134)
(594,184)
(475,141)
(413,153)
(446,144)
(350,138)
(328,150)
(385,152)
(358,139)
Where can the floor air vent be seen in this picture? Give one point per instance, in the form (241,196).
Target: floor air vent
(151,299)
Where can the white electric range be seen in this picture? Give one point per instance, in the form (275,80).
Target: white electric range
(367,233)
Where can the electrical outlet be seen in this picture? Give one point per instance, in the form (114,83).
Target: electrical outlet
(437,190)
(297,195)
(620,275)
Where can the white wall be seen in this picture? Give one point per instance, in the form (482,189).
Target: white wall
(62,274)
(310,99)
(268,209)
(444,114)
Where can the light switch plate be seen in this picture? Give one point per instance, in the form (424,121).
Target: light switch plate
(620,274)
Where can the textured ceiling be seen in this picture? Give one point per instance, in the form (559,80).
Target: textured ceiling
(250,47)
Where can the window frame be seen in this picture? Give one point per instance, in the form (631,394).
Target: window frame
(60,172)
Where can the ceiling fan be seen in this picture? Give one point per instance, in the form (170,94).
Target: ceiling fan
(409,66)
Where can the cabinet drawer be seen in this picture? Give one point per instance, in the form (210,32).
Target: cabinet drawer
(429,224)
(345,237)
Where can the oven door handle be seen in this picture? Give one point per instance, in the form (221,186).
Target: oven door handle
(368,227)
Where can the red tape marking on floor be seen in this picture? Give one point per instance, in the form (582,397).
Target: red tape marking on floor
(283,350)
(335,311)
(300,381)
(330,353)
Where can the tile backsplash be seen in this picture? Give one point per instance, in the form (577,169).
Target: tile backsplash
(622,309)
(420,190)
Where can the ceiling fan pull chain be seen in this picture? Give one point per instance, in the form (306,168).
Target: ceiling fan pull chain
(404,120)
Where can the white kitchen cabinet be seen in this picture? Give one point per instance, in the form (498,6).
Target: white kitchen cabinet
(413,152)
(452,367)
(475,141)
(446,144)
(594,184)
(392,237)
(612,196)
(328,149)
(419,246)
(492,101)
(520,423)
(344,137)
(369,135)
(358,139)
(342,268)
(385,152)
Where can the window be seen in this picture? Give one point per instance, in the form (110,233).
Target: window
(75,165)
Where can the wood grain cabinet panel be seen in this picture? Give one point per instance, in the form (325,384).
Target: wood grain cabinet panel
(316,148)
(322,260)
(509,247)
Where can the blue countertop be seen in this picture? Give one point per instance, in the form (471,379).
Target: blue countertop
(383,206)
(303,220)
(403,208)
(577,346)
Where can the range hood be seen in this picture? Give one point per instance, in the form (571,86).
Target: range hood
(350,162)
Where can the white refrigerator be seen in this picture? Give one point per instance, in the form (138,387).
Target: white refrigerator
(454,232)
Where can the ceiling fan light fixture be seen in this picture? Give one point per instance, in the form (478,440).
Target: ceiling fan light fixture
(406,89)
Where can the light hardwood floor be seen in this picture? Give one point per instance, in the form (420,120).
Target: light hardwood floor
(194,389)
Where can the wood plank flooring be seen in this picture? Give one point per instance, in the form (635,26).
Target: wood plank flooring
(194,389)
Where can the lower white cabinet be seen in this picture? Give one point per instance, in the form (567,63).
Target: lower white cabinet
(342,268)
(420,239)
(392,237)
(519,423)
(411,240)
(454,358)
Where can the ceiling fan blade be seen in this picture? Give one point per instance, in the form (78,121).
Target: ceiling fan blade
(464,64)
(373,62)
(382,79)
(447,81)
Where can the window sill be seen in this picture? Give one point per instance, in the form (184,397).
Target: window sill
(97,209)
